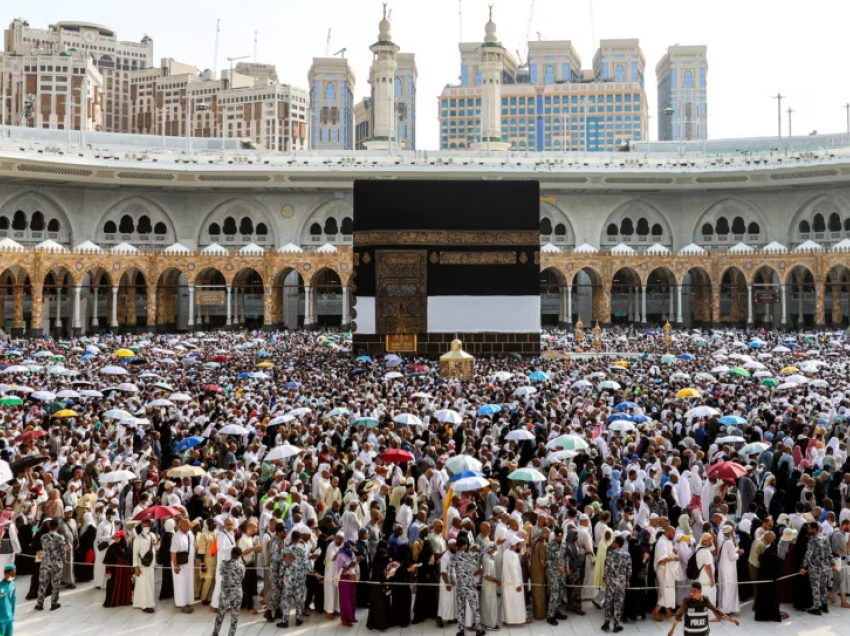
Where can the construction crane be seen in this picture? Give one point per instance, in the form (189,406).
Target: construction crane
(341,51)
(328,45)
(530,22)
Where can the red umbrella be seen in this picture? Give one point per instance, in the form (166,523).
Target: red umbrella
(397,456)
(156,512)
(220,359)
(727,471)
(213,388)
(30,435)
(417,367)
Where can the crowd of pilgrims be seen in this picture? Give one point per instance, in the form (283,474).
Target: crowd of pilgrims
(336,482)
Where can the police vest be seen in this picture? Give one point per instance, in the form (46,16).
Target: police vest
(696,617)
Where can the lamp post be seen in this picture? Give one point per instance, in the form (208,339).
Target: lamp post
(667,337)
(579,333)
(669,112)
(597,337)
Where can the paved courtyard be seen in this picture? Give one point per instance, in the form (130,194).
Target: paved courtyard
(82,614)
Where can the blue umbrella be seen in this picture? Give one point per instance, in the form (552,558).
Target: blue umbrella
(489,409)
(189,442)
(791,345)
(364,359)
(88,356)
(358,372)
(618,416)
(625,406)
(732,420)
(538,376)
(263,354)
(464,473)
(291,385)
(639,419)
(687,356)
(243,376)
(756,345)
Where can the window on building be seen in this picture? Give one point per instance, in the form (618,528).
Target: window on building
(53,225)
(108,227)
(688,79)
(229,226)
(545,223)
(738,226)
(818,224)
(160,229)
(144,226)
(37,222)
(330,91)
(126,226)
(619,73)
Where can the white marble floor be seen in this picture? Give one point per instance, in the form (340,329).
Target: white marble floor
(82,614)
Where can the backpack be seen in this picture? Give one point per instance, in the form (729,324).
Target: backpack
(692,571)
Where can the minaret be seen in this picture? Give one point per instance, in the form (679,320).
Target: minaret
(384,65)
(492,65)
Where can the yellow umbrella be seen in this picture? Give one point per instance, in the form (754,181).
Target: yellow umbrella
(124,353)
(621,363)
(265,365)
(66,413)
(687,393)
(789,370)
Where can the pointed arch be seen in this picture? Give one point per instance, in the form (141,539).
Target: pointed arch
(132,220)
(235,217)
(627,216)
(721,216)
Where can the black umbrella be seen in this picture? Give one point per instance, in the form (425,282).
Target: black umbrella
(27,462)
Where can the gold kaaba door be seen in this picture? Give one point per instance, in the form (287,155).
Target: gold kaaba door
(401,298)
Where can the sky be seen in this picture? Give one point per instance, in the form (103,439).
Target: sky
(756,48)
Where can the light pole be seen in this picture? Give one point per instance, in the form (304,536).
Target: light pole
(779,97)
(789,111)
(229,86)
(847,108)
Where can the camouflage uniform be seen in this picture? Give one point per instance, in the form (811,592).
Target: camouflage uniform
(554,578)
(53,548)
(818,565)
(618,571)
(232,572)
(462,569)
(297,567)
(276,573)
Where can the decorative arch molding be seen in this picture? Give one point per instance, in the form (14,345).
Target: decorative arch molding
(721,217)
(238,222)
(138,221)
(54,224)
(336,213)
(829,207)
(560,228)
(638,224)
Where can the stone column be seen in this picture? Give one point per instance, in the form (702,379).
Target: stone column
(631,304)
(58,322)
(131,307)
(782,294)
(309,320)
(151,308)
(268,307)
(36,326)
(18,309)
(113,322)
(672,311)
(94,320)
(749,304)
(679,319)
(229,306)
(569,319)
(77,325)
(820,303)
(715,305)
(191,322)
(643,303)
(346,306)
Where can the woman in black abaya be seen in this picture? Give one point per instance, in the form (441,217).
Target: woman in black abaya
(163,557)
(766,606)
(400,594)
(427,574)
(378,593)
(802,593)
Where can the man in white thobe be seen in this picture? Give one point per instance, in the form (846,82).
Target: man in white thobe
(727,573)
(144,593)
(183,567)
(105,531)
(665,572)
(447,608)
(330,582)
(513,596)
(225,542)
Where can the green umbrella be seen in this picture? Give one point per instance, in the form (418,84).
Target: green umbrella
(64,345)
(57,358)
(55,406)
(770,382)
(668,359)
(740,372)
(368,422)
(11,400)
(118,414)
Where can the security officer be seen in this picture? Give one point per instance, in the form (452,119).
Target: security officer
(232,572)
(463,568)
(618,570)
(277,566)
(53,547)
(556,572)
(296,566)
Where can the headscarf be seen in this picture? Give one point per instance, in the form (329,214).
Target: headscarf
(88,520)
(169,525)
(685,524)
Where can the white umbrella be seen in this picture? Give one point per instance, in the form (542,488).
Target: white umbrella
(568,442)
(16,368)
(393,375)
(113,370)
(65,393)
(69,373)
(128,387)
(284,451)
(819,384)
(448,416)
(281,419)
(233,429)
(582,384)
(520,435)
(762,374)
(609,385)
(468,484)
(180,397)
(752,364)
(702,411)
(116,476)
(680,376)
(785,386)
(705,377)
(407,419)
(91,393)
(422,395)
(503,376)
(525,390)
(5,472)
(730,439)
(559,456)
(621,426)
(721,369)
(48,396)
(797,379)
(300,412)
(134,421)
(158,403)
(460,463)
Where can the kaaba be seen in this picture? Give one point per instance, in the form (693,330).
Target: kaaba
(439,260)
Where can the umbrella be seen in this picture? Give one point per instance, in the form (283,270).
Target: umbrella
(31,435)
(396,455)
(559,456)
(364,359)
(125,353)
(819,384)
(727,471)
(789,370)
(186,471)
(609,385)
(448,416)
(621,426)
(289,385)
(189,442)
(64,394)
(284,451)
(538,376)
(407,419)
(337,412)
(91,393)
(503,376)
(668,359)
(368,422)
(688,356)
(520,435)
(468,484)
(29,461)
(732,420)
(688,393)
(179,397)
(781,349)
(568,442)
(212,388)
(113,370)
(117,414)
(582,384)
(625,406)
(731,439)
(220,359)
(11,400)
(786,386)
(281,419)
(158,403)
(16,368)
(300,412)
(739,372)
(621,363)
(702,411)
(755,365)
(762,374)
(797,379)
(770,382)
(116,476)
(156,512)
(460,463)
(66,413)
(233,429)
(128,387)
(265,365)
(393,375)
(525,390)
(489,409)
(753,449)
(527,474)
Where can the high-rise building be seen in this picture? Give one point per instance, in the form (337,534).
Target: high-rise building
(406,76)
(619,61)
(362,123)
(682,75)
(114,59)
(551,104)
(332,84)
